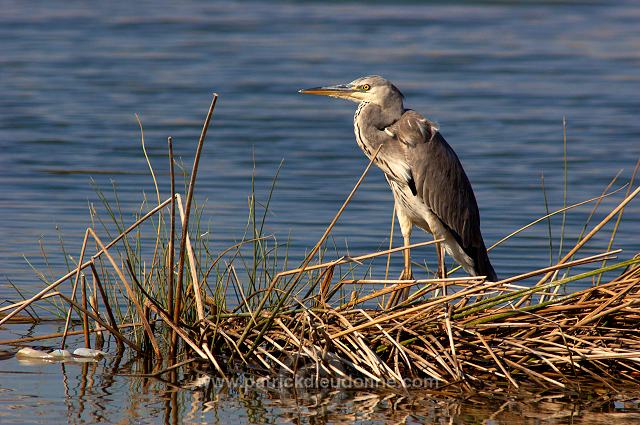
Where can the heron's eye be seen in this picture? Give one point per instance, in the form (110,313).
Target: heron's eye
(365,87)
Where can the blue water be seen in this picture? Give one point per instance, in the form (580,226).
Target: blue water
(498,77)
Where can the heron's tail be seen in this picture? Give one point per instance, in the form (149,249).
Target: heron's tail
(483,265)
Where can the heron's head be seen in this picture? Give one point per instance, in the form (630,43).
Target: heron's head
(373,89)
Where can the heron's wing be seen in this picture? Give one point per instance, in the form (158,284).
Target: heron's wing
(412,129)
(391,158)
(440,180)
(395,167)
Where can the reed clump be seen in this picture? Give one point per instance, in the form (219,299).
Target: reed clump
(242,310)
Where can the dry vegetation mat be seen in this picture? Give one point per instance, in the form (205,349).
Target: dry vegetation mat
(242,311)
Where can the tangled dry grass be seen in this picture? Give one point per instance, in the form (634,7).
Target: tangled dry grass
(483,334)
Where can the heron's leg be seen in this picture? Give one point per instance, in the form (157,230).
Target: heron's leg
(405,226)
(442,267)
(406,272)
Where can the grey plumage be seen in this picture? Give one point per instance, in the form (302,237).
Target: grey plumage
(430,188)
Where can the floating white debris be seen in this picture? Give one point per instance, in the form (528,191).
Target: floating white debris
(199,382)
(30,353)
(89,352)
(61,354)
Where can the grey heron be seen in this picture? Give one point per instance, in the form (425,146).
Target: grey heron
(429,185)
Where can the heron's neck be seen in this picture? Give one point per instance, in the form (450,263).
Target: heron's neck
(369,123)
(373,115)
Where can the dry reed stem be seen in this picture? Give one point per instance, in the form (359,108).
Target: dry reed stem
(155,184)
(579,262)
(400,284)
(595,230)
(619,219)
(593,211)
(93,301)
(592,316)
(192,261)
(236,279)
(452,345)
(407,311)
(213,361)
(172,236)
(114,330)
(399,348)
(495,359)
(181,333)
(24,340)
(558,211)
(19,303)
(75,286)
(130,293)
(231,338)
(85,318)
(487,302)
(357,259)
(105,301)
(173,367)
(187,212)
(326,285)
(443,357)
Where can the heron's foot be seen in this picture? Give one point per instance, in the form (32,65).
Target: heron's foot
(406,274)
(400,295)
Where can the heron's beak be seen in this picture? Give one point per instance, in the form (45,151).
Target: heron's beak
(341,90)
